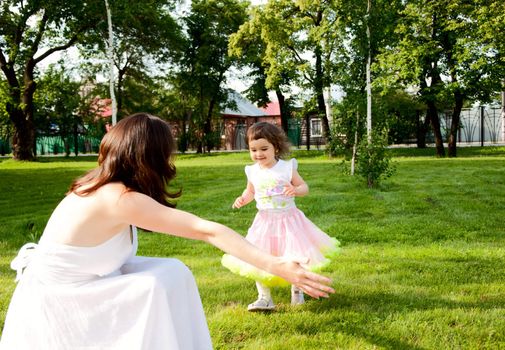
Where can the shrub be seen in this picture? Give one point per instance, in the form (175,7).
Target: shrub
(373,161)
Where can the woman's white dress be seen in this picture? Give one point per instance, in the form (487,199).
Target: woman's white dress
(103,297)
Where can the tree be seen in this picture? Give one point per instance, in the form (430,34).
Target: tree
(203,62)
(57,103)
(299,39)
(365,28)
(248,47)
(137,52)
(491,18)
(31,31)
(447,51)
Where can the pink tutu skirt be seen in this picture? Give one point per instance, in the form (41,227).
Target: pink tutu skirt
(287,233)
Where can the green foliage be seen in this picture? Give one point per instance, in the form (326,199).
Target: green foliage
(350,63)
(201,65)
(213,139)
(348,120)
(4,98)
(31,32)
(400,112)
(373,161)
(247,46)
(57,100)
(146,36)
(5,123)
(448,52)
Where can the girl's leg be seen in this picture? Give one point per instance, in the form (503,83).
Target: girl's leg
(264,302)
(263,291)
(296,296)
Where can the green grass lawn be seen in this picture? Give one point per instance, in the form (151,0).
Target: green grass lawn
(423,264)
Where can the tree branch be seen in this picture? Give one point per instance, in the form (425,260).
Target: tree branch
(40,32)
(49,52)
(8,71)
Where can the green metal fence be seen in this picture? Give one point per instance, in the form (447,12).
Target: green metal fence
(46,145)
(5,147)
(58,145)
(294,132)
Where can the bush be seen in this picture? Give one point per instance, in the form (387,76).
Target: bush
(373,161)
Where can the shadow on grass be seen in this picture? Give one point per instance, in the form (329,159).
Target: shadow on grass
(411,286)
(69,159)
(372,305)
(361,315)
(462,152)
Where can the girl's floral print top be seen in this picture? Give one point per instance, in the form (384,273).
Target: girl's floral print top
(269,184)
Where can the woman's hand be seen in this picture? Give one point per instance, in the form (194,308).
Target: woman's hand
(311,283)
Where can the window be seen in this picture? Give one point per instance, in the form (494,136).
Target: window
(315,127)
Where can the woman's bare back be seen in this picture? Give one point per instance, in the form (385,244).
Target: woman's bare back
(86,221)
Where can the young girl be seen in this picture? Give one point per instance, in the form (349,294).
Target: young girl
(279,227)
(82,287)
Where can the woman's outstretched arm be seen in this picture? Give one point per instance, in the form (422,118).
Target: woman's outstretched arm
(142,211)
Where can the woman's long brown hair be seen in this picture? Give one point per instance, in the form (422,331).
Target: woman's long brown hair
(137,152)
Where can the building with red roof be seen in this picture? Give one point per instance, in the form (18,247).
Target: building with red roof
(237,120)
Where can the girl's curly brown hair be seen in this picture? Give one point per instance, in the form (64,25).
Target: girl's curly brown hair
(273,134)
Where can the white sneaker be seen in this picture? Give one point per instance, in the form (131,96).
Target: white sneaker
(261,304)
(297,297)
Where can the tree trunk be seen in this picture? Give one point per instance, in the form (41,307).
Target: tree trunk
(110,51)
(456,114)
(119,97)
(66,144)
(23,138)
(207,127)
(319,83)
(355,145)
(283,110)
(319,90)
(432,114)
(76,138)
(307,131)
(428,94)
(421,129)
(23,141)
(368,80)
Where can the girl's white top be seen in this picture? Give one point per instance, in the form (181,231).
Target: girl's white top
(269,184)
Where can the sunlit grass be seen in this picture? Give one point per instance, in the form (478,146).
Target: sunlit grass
(423,265)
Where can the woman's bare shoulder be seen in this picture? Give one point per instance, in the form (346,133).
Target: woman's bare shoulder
(112,190)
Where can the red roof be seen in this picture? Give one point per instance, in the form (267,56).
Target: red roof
(272,108)
(102,107)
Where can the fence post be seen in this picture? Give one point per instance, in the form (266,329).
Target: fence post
(503,115)
(482,126)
